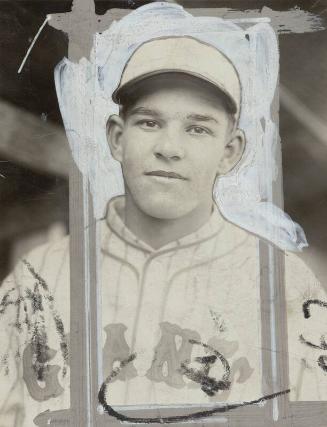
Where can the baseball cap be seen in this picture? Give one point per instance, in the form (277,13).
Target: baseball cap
(183,54)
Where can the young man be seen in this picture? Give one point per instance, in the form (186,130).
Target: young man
(180,284)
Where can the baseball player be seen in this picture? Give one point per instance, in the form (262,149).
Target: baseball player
(178,281)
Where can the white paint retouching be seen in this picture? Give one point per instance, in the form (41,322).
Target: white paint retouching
(84,90)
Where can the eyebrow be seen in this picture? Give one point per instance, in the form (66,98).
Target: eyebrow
(201,118)
(144,111)
(155,113)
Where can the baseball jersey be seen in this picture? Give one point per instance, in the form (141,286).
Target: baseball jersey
(182,322)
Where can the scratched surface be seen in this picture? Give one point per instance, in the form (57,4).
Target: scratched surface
(318,344)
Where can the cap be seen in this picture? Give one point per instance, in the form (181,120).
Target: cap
(185,55)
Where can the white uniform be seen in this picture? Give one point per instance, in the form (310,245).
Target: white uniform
(197,296)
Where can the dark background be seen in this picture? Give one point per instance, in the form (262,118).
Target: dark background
(34,157)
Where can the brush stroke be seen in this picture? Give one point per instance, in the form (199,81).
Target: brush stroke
(244,196)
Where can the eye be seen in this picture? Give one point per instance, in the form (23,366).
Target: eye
(148,124)
(198,130)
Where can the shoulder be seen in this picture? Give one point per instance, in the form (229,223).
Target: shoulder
(238,239)
(306,297)
(306,301)
(300,281)
(42,263)
(49,262)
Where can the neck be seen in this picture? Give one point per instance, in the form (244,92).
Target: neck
(158,232)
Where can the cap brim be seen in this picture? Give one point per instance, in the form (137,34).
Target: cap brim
(121,93)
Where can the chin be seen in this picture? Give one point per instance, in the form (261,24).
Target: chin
(165,207)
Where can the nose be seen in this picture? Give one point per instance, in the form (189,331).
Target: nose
(169,146)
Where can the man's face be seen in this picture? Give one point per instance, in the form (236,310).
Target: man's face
(171,144)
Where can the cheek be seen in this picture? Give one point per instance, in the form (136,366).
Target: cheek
(207,159)
(135,159)
(131,152)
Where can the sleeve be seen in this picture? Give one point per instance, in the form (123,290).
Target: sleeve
(12,336)
(30,357)
(307,331)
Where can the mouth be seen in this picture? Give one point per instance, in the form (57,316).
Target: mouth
(165,174)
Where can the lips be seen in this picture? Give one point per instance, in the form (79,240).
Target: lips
(165,174)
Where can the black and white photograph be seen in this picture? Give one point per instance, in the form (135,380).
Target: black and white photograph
(162,171)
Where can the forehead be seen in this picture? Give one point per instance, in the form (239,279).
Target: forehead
(176,91)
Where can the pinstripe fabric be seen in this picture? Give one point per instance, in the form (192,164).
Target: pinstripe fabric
(203,287)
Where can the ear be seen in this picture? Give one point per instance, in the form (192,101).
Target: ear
(115,126)
(233,152)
